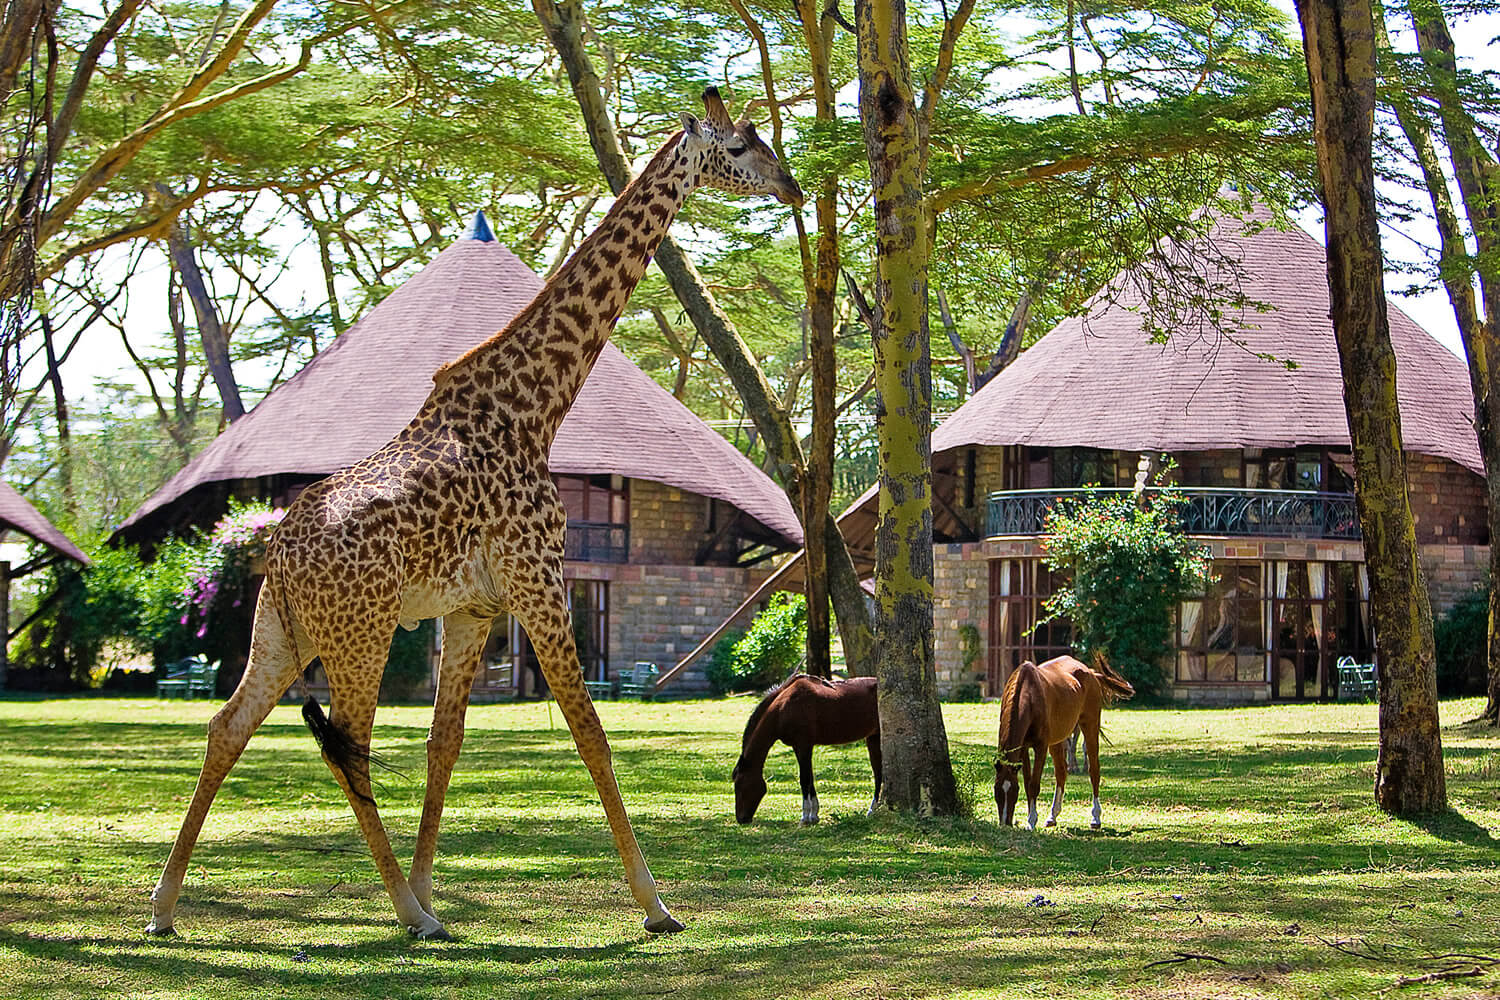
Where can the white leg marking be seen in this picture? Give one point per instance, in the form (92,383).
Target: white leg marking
(1056,806)
(1031,817)
(1096,812)
(810,809)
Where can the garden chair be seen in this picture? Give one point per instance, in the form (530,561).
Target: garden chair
(1356,680)
(203,678)
(177,677)
(638,681)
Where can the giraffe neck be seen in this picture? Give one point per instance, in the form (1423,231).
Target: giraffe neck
(538,363)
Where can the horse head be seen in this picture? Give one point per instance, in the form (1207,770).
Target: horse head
(749,789)
(1007,790)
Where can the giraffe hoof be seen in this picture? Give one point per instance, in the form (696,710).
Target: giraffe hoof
(159,930)
(667,924)
(437,932)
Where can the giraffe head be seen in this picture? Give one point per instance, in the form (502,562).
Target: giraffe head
(730,156)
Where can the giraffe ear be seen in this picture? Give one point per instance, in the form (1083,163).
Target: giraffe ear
(691,125)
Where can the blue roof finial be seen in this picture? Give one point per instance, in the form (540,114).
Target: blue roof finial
(480,229)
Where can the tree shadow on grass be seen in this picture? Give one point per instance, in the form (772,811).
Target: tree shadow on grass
(1453,826)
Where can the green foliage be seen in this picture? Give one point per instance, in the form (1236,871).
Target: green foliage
(772,648)
(720,669)
(410,662)
(1461,640)
(1128,566)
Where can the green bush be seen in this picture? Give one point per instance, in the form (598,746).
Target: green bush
(720,669)
(1460,638)
(772,648)
(410,662)
(1128,566)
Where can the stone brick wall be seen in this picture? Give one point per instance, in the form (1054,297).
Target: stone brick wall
(1447,502)
(960,597)
(1452,571)
(660,613)
(667,525)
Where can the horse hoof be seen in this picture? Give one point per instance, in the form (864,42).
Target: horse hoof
(1096,825)
(1052,822)
(158,931)
(668,924)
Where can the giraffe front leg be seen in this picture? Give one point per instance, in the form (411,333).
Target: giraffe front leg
(544,614)
(463,642)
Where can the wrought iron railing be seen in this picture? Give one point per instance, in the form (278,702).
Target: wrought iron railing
(1204,511)
(597,541)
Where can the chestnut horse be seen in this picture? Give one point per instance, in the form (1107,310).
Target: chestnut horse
(805,712)
(1040,708)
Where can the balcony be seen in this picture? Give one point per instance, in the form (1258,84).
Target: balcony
(1205,511)
(597,541)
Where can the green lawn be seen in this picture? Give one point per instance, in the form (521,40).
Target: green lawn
(1245,835)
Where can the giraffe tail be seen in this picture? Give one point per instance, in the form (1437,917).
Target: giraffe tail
(340,750)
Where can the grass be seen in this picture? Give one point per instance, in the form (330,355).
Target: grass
(1248,836)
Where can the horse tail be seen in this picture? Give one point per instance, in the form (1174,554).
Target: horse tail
(1113,684)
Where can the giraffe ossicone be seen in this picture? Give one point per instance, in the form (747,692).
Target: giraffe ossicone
(457,517)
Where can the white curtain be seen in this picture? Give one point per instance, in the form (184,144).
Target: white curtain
(1317,583)
(1002,639)
(1364,610)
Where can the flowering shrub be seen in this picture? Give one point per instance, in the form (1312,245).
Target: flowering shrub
(1128,566)
(219,566)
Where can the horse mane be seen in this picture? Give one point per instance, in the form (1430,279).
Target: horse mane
(1010,698)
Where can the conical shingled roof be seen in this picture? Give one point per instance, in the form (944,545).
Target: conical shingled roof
(365,386)
(17,513)
(1096,381)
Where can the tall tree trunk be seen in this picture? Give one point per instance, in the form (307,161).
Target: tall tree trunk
(1478,179)
(563,23)
(822,283)
(64,426)
(210,331)
(1339,44)
(917,773)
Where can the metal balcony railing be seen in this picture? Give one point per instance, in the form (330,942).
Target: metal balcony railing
(1204,511)
(597,541)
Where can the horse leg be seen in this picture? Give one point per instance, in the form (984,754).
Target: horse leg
(1091,743)
(463,640)
(805,774)
(1060,774)
(270,670)
(1031,760)
(1073,766)
(872,744)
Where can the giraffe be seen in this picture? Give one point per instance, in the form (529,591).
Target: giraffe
(457,517)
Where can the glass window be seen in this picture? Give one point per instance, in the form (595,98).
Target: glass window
(1018,590)
(1220,637)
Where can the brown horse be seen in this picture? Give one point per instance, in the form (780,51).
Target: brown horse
(805,712)
(1040,708)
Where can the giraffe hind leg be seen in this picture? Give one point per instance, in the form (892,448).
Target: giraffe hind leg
(272,667)
(352,699)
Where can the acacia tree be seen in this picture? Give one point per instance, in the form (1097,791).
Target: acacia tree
(1339,43)
(917,774)
(1435,90)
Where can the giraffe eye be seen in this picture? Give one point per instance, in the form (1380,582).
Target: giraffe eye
(736,150)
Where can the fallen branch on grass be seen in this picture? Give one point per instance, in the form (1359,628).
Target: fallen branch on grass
(1184,956)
